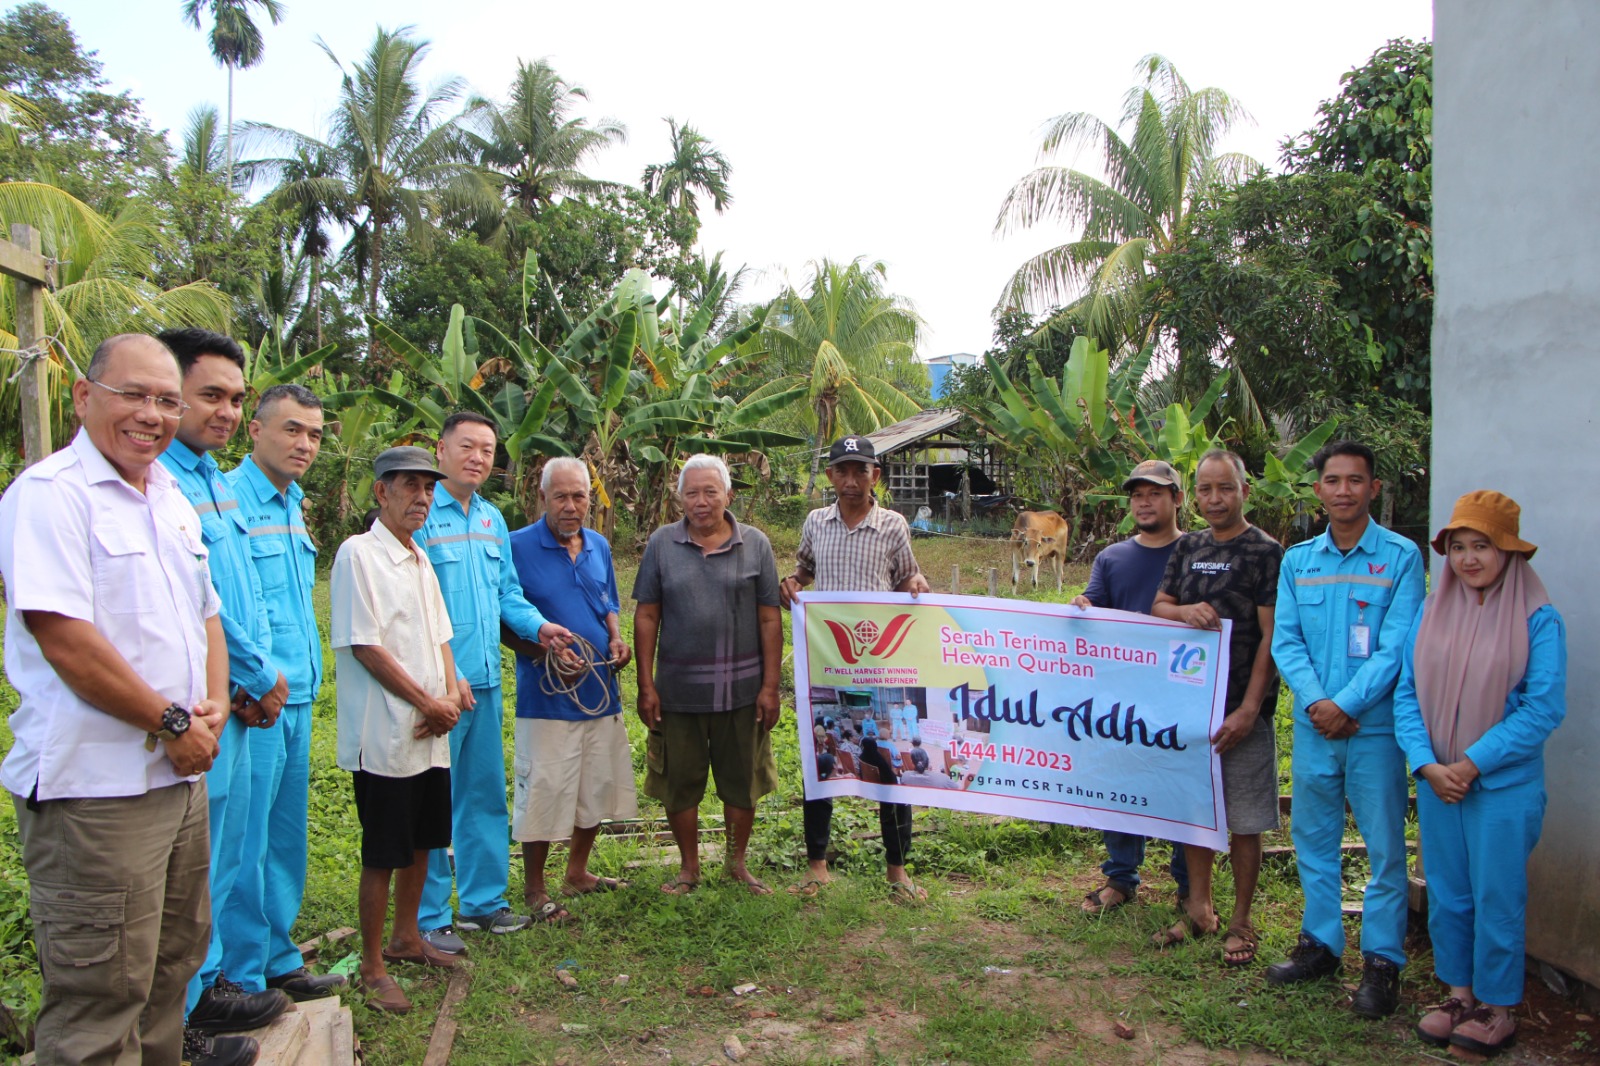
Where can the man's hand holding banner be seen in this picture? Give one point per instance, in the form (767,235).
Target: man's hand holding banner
(1036,710)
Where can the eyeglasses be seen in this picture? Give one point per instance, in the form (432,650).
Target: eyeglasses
(166,406)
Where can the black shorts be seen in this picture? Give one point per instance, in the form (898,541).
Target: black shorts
(401,816)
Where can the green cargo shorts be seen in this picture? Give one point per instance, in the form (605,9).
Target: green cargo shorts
(730,745)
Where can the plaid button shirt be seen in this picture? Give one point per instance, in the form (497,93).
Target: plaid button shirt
(875,556)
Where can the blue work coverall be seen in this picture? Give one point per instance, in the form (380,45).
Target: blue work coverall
(1477,850)
(471,555)
(250,668)
(1322,595)
(273,882)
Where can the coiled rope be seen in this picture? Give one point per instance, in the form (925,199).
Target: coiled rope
(554,683)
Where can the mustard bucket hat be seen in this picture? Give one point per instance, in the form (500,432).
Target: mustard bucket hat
(1494,515)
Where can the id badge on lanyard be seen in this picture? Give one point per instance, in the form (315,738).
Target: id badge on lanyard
(1360,645)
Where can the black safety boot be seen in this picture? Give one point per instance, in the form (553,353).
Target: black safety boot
(1379,993)
(1308,961)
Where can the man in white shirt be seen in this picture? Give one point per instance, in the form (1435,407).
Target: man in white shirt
(398,701)
(114,645)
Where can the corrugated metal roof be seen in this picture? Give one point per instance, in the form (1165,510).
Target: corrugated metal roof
(918,427)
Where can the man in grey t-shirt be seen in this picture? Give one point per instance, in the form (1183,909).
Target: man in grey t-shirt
(709,641)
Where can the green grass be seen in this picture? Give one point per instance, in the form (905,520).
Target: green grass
(850,976)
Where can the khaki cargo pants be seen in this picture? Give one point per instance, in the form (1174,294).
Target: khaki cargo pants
(121,908)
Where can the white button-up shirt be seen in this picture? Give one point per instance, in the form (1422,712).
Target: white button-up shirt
(384,592)
(77,540)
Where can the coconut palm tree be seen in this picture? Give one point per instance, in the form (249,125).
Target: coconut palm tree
(395,158)
(235,42)
(530,144)
(844,339)
(695,164)
(102,287)
(1136,210)
(310,189)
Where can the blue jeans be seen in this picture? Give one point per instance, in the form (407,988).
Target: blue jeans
(1126,855)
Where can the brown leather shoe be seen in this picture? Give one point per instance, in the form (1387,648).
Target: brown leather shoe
(1437,1025)
(384,994)
(1485,1032)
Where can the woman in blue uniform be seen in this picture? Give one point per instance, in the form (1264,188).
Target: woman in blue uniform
(1482,687)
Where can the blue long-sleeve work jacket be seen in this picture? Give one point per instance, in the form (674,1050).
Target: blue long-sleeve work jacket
(286,562)
(1512,751)
(470,551)
(222,527)
(1322,593)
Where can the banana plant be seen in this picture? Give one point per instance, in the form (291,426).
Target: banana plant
(1068,435)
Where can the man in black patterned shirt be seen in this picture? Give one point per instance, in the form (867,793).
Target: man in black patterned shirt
(1230,570)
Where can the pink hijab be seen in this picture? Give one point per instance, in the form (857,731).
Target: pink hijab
(1472,650)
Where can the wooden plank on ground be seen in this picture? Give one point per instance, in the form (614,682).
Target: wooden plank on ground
(312,947)
(444,1027)
(282,1041)
(326,1018)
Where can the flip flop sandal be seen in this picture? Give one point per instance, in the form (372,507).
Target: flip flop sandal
(808,889)
(384,994)
(1183,929)
(552,913)
(428,956)
(1095,902)
(601,884)
(1244,933)
(757,887)
(680,887)
(904,892)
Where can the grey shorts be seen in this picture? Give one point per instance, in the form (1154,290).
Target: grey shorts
(1250,781)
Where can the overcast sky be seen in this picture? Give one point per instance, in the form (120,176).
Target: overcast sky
(885,130)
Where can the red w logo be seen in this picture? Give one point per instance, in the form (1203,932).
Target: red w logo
(486,523)
(1377,568)
(864,639)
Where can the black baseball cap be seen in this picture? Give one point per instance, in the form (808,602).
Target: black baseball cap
(852,449)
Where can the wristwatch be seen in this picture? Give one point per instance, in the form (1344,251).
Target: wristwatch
(174,723)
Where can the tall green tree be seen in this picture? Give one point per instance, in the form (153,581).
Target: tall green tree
(533,145)
(851,343)
(1380,127)
(235,42)
(1152,176)
(695,166)
(396,158)
(95,144)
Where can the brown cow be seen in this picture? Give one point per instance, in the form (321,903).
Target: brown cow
(1037,538)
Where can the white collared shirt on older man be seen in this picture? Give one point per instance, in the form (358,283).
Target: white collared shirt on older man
(77,540)
(385,593)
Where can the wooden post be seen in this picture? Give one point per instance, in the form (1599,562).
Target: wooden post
(994,582)
(955,580)
(22,261)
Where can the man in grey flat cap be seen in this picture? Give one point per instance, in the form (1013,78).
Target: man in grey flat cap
(398,701)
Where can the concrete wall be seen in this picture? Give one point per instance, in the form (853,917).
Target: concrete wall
(1516,368)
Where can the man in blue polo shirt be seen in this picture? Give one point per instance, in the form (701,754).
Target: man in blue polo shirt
(574,769)
(1346,601)
(465,538)
(213,387)
(287,431)
(1126,577)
